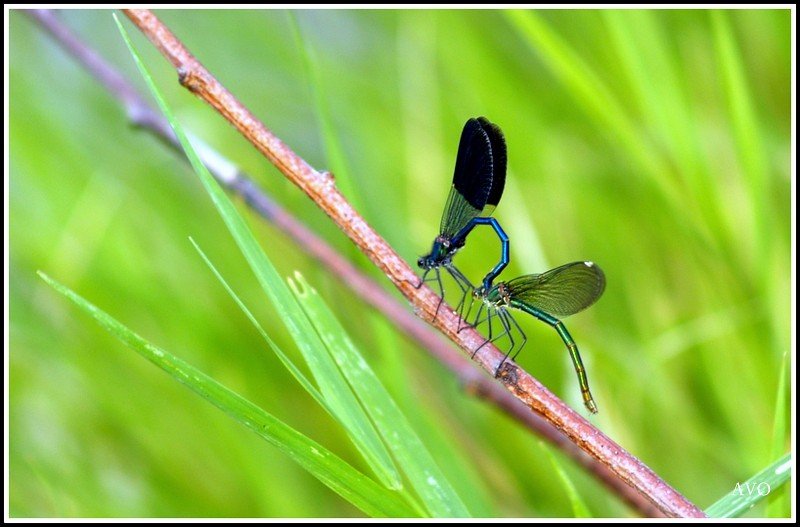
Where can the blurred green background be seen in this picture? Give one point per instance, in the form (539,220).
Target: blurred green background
(655,143)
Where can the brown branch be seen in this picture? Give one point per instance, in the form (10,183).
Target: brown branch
(319,185)
(476,383)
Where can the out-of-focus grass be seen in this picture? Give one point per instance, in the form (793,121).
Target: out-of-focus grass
(579,508)
(357,488)
(654,143)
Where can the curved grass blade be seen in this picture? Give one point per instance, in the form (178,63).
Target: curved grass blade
(745,496)
(352,485)
(332,385)
(287,362)
(562,291)
(417,463)
(579,508)
(750,150)
(296,373)
(606,108)
(640,41)
(597,98)
(779,506)
(584,83)
(334,152)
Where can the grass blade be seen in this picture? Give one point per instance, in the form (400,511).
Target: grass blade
(600,103)
(331,470)
(746,130)
(287,362)
(654,73)
(779,506)
(330,139)
(419,466)
(586,86)
(579,507)
(331,383)
(745,496)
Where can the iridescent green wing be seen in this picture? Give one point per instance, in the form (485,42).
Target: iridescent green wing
(499,162)
(562,291)
(472,179)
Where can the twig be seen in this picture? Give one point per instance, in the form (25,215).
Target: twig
(475,382)
(320,187)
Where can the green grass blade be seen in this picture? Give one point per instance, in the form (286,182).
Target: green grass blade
(331,383)
(584,84)
(419,466)
(339,476)
(330,139)
(745,496)
(599,102)
(579,507)
(746,130)
(654,74)
(287,362)
(779,506)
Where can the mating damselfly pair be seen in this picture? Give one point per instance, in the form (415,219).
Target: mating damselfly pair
(478,183)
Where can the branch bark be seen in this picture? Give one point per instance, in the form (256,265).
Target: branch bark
(608,459)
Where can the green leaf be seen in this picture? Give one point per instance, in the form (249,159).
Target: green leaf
(332,385)
(779,506)
(583,82)
(331,470)
(579,507)
(293,369)
(745,495)
(330,139)
(598,100)
(419,466)
(643,50)
(746,130)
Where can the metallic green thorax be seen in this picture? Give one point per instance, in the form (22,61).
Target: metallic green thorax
(496,297)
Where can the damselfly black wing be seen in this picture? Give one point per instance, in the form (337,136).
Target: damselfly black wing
(472,179)
(499,162)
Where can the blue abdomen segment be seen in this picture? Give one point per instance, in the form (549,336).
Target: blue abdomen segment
(459,238)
